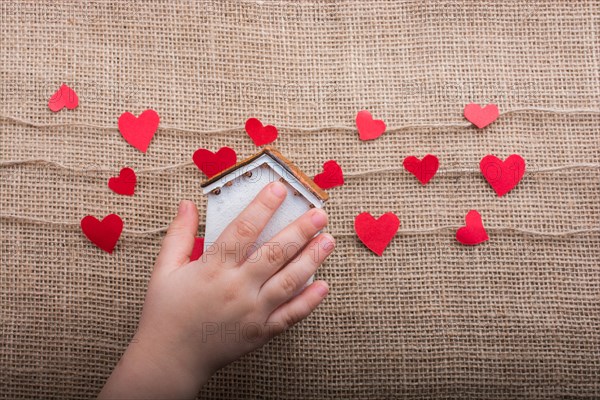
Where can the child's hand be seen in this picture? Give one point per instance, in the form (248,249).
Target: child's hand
(199,316)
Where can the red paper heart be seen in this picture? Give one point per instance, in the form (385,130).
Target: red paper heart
(376,234)
(138,131)
(63,97)
(503,176)
(474,232)
(260,134)
(369,128)
(124,183)
(105,233)
(481,117)
(212,163)
(331,176)
(198,249)
(424,169)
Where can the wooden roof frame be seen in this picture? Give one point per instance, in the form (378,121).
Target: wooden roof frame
(289,166)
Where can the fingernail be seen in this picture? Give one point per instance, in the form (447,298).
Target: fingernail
(278,189)
(322,289)
(183,206)
(318,218)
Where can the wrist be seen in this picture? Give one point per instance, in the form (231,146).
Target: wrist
(150,369)
(170,361)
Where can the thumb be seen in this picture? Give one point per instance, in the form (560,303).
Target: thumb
(178,243)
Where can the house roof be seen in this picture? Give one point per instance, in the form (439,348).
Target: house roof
(307,182)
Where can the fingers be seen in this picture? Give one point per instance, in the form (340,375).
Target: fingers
(179,241)
(279,250)
(286,283)
(239,236)
(298,308)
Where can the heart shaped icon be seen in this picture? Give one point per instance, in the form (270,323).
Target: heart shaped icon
(105,233)
(369,128)
(198,249)
(212,163)
(63,97)
(331,176)
(424,169)
(474,232)
(124,183)
(260,134)
(139,131)
(503,176)
(376,233)
(481,116)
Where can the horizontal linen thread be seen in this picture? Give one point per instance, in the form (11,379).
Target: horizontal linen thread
(406,232)
(530,170)
(301,129)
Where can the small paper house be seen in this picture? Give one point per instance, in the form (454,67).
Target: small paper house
(230,191)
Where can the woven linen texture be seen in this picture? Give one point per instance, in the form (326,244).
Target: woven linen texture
(515,317)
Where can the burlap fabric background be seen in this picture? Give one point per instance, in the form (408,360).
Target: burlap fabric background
(517,317)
